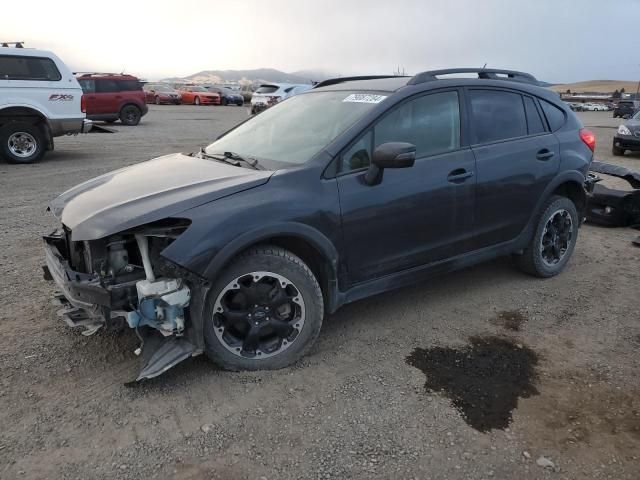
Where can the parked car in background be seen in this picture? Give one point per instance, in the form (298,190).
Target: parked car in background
(227,96)
(626,108)
(575,106)
(627,137)
(241,249)
(197,95)
(39,99)
(112,96)
(269,94)
(160,93)
(594,107)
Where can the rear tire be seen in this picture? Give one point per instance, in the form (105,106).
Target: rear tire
(553,241)
(130,115)
(618,152)
(157,100)
(21,142)
(248,325)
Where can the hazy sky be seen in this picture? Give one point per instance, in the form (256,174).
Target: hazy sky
(556,40)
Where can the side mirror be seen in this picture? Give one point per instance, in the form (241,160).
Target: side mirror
(390,155)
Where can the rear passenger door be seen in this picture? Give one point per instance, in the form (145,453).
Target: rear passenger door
(108,96)
(516,156)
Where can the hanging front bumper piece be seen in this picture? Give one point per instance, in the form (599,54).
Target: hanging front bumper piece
(112,284)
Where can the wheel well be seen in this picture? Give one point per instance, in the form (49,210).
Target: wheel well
(574,192)
(129,104)
(310,255)
(29,115)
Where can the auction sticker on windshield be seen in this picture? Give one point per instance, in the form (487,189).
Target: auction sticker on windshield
(364,98)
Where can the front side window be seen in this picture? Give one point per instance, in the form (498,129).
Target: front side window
(497,115)
(430,122)
(296,129)
(15,67)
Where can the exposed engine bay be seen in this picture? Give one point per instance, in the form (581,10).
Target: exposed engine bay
(123,280)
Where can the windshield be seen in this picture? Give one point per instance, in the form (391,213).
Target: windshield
(636,116)
(296,129)
(196,89)
(162,88)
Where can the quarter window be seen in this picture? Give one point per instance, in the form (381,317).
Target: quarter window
(430,122)
(358,155)
(15,67)
(497,115)
(534,122)
(88,86)
(554,115)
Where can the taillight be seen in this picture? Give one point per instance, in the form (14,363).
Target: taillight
(588,137)
(83,104)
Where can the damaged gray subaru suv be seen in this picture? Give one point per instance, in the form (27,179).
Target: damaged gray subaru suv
(359,186)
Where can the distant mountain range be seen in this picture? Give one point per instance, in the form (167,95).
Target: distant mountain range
(255,76)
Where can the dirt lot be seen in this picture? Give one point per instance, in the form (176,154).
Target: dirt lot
(564,352)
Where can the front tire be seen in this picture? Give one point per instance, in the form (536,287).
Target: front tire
(196,101)
(21,142)
(264,312)
(157,100)
(130,115)
(553,241)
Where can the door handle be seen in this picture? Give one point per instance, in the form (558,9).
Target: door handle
(544,154)
(459,175)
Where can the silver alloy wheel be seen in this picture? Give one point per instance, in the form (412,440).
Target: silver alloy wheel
(258,315)
(22,144)
(556,237)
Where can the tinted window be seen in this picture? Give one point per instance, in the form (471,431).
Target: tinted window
(497,115)
(128,85)
(430,122)
(534,121)
(88,86)
(13,67)
(106,86)
(555,116)
(267,89)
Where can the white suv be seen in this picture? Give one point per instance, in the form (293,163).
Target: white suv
(269,94)
(39,99)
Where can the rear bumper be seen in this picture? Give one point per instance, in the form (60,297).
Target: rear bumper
(627,142)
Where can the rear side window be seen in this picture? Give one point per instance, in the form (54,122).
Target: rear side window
(267,89)
(497,115)
(555,116)
(106,86)
(14,67)
(129,85)
(534,122)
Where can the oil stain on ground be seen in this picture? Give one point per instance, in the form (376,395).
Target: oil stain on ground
(483,379)
(510,320)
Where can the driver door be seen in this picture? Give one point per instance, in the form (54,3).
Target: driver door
(417,215)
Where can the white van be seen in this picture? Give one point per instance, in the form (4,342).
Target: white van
(39,99)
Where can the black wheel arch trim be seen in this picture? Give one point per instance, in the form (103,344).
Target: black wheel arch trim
(303,232)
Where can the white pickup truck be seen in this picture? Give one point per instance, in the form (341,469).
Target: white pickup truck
(39,99)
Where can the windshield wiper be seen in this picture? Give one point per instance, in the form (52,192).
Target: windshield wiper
(231,158)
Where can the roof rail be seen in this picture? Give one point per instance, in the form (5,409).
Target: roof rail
(15,44)
(485,73)
(334,81)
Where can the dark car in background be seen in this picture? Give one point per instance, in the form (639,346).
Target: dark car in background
(627,137)
(626,108)
(160,93)
(111,97)
(356,187)
(227,96)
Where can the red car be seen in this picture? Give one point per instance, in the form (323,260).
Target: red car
(160,93)
(110,96)
(198,95)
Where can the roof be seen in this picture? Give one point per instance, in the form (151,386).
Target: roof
(388,84)
(117,76)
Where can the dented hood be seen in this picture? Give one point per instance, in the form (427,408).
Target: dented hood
(147,192)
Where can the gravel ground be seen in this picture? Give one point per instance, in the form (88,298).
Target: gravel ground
(355,407)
